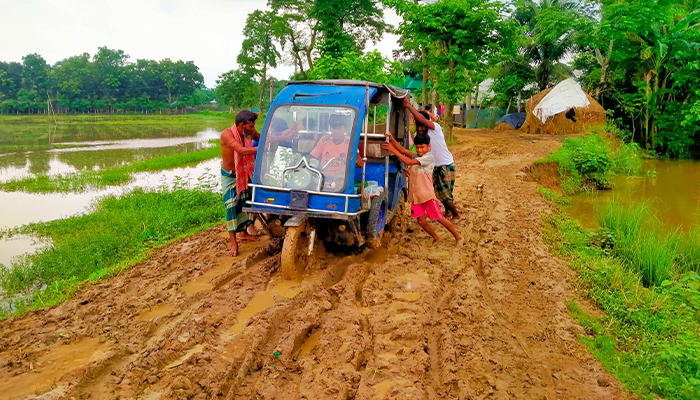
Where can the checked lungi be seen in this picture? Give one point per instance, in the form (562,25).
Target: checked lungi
(444,182)
(237,220)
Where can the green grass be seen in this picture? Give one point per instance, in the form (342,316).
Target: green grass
(120,175)
(648,337)
(119,232)
(588,162)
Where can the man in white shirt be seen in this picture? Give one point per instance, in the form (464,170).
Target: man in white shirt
(444,171)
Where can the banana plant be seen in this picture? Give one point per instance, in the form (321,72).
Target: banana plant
(658,46)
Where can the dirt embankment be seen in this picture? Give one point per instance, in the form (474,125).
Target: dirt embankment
(407,321)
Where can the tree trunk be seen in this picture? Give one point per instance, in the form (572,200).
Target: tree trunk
(424,95)
(262,85)
(449,115)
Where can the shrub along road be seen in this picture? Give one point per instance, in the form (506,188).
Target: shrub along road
(410,320)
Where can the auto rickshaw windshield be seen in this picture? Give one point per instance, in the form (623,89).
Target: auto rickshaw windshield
(307,148)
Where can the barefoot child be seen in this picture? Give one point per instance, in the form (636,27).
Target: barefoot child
(420,186)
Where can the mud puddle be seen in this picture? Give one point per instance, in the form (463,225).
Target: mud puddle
(47,370)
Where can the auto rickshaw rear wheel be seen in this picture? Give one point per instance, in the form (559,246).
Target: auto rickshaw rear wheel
(376,222)
(399,221)
(295,250)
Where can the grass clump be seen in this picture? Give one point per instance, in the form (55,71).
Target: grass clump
(81,181)
(118,232)
(648,336)
(588,162)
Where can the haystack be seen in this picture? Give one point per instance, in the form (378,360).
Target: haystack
(592,115)
(502,127)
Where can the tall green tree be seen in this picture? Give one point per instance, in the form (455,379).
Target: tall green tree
(463,35)
(298,31)
(347,25)
(259,50)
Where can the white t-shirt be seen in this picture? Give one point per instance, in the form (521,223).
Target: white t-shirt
(438,147)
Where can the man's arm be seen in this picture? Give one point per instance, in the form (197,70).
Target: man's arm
(255,135)
(417,116)
(401,156)
(227,138)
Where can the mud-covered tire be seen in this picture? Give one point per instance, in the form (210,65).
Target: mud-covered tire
(376,222)
(401,216)
(295,251)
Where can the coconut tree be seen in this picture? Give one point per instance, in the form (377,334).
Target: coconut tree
(550,27)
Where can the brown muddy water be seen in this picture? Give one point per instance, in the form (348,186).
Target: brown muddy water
(673,193)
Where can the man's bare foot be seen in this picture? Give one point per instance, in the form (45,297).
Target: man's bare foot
(244,236)
(233,252)
(459,240)
(252,231)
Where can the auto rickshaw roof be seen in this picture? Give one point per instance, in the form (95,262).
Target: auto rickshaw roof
(381,88)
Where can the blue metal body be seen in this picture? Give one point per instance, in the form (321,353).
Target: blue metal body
(321,205)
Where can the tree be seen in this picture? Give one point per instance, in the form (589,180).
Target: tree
(371,67)
(346,25)
(34,71)
(237,89)
(658,44)
(258,50)
(109,73)
(551,27)
(462,34)
(298,31)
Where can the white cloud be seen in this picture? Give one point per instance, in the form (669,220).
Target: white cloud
(208,32)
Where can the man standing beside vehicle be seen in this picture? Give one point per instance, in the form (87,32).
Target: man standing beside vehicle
(444,171)
(237,167)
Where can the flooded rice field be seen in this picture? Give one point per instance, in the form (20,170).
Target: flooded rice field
(68,157)
(65,157)
(673,193)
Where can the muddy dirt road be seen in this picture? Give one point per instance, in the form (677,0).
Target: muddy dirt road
(410,320)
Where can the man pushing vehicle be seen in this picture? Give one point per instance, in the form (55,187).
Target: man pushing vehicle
(444,171)
(237,166)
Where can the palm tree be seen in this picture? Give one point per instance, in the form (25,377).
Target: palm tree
(549,40)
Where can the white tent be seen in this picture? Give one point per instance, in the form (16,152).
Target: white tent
(567,94)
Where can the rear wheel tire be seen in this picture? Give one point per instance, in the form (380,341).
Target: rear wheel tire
(401,215)
(376,222)
(295,251)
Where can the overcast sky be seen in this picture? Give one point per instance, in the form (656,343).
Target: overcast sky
(208,32)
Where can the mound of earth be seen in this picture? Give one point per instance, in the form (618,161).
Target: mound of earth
(586,118)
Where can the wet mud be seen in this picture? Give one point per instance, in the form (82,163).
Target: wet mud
(410,320)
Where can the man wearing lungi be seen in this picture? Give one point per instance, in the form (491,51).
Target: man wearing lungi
(237,167)
(444,171)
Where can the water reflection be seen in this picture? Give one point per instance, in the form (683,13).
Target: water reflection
(674,194)
(97,155)
(17,246)
(20,208)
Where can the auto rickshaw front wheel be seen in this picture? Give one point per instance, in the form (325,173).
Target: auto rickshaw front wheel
(295,251)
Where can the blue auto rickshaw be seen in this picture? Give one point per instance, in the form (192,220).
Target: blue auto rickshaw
(308,184)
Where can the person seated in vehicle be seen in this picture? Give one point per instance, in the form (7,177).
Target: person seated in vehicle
(332,151)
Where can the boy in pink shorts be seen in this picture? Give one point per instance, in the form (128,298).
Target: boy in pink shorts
(420,187)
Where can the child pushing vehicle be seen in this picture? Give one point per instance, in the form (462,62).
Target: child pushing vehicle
(420,186)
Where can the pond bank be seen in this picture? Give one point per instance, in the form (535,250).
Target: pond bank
(633,264)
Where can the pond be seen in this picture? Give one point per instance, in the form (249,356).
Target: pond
(674,194)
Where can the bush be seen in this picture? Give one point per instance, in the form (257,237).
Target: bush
(584,160)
